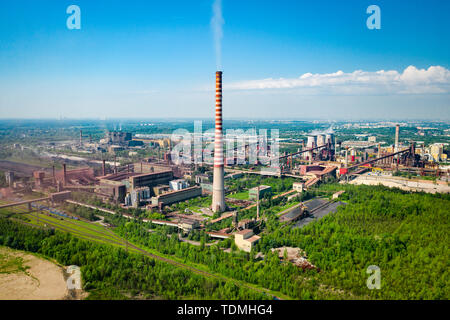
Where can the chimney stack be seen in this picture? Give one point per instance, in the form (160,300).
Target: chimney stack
(218,198)
(64,174)
(103,167)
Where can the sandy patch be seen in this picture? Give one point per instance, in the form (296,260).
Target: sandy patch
(40,280)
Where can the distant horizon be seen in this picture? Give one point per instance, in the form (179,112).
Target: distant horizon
(322,120)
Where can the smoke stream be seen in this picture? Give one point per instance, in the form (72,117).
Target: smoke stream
(216,25)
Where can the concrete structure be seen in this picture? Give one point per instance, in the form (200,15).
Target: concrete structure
(201,178)
(245,224)
(9,176)
(263,190)
(437,152)
(60,196)
(188,225)
(246,239)
(39,178)
(294,213)
(206,187)
(337,194)
(218,197)
(176,196)
(115,148)
(118,137)
(138,195)
(149,167)
(160,189)
(112,189)
(151,179)
(178,184)
(321,139)
(234,175)
(298,186)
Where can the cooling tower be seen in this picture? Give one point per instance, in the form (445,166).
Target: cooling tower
(311,142)
(218,198)
(320,140)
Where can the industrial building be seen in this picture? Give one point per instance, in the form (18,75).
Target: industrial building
(298,186)
(137,196)
(246,239)
(178,184)
(150,167)
(115,185)
(150,179)
(118,137)
(176,196)
(160,189)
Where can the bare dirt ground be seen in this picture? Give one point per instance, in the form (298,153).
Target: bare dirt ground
(24,276)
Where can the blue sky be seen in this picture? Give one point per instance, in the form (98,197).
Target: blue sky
(157,59)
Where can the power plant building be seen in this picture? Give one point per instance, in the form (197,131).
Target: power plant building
(176,196)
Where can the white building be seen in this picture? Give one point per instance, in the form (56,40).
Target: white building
(246,239)
(179,184)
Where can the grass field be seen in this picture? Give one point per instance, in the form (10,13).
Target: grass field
(79,228)
(239,196)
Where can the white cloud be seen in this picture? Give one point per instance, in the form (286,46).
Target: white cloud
(435,79)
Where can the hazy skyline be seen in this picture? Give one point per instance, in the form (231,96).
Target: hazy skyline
(281,59)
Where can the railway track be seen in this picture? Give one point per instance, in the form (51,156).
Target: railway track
(106,236)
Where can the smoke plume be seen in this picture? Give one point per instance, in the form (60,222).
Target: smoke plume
(216,25)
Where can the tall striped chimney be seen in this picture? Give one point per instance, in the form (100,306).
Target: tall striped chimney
(218,198)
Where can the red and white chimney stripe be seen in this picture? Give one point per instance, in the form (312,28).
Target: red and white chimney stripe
(218,145)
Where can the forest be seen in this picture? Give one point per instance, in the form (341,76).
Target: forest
(405,234)
(114,273)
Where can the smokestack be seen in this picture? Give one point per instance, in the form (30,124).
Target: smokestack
(346,157)
(81,137)
(218,198)
(53,174)
(397,132)
(64,174)
(104,167)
